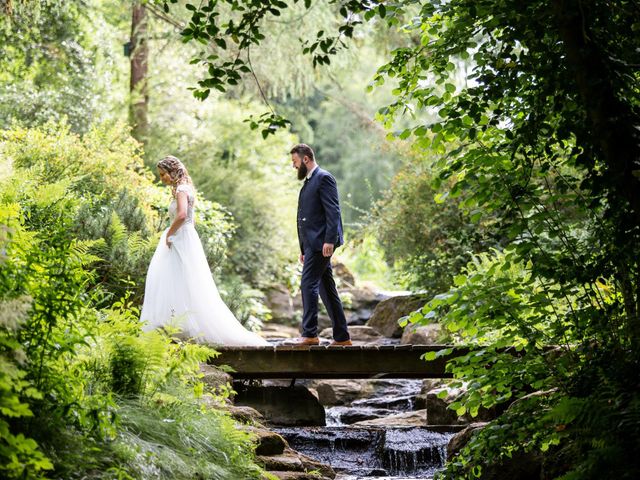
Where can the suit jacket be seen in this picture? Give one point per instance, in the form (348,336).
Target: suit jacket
(319,219)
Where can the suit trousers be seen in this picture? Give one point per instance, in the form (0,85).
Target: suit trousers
(317,277)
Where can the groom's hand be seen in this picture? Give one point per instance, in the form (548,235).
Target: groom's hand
(327,249)
(301,259)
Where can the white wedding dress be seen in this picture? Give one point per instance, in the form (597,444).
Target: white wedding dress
(181,292)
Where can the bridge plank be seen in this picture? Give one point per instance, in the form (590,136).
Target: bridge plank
(333,362)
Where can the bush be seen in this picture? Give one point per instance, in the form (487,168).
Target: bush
(77,217)
(427,241)
(571,386)
(114,200)
(19,454)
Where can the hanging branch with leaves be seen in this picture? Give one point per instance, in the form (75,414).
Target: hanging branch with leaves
(234,26)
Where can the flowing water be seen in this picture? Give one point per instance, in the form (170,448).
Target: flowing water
(386,451)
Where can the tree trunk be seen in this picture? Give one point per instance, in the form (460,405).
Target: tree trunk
(6,6)
(615,136)
(139,99)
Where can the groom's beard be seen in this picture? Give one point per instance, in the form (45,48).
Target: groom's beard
(302,171)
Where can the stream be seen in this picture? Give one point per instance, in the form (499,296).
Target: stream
(394,450)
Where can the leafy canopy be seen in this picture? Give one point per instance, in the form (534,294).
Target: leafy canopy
(538,114)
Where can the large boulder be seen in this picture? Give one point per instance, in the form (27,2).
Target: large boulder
(363,297)
(417,418)
(311,465)
(387,313)
(343,275)
(520,465)
(340,392)
(358,302)
(293,465)
(460,439)
(439,413)
(285,462)
(355,415)
(244,414)
(430,334)
(282,406)
(282,305)
(216,382)
(241,414)
(214,378)
(266,441)
(358,317)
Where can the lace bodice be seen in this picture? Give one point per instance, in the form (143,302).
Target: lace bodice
(173,206)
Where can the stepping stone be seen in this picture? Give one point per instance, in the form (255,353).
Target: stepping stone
(296,476)
(285,462)
(311,464)
(244,414)
(267,442)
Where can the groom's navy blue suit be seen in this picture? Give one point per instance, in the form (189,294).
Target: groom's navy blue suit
(320,222)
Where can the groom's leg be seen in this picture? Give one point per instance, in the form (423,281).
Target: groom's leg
(331,300)
(312,269)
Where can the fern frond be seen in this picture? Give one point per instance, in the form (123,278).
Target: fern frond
(117,229)
(80,251)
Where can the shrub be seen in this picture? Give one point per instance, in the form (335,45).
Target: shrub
(76,214)
(426,240)
(112,195)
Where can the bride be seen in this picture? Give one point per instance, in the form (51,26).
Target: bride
(180,290)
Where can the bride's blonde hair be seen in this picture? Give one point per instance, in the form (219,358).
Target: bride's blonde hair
(176,170)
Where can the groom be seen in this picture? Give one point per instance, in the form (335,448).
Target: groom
(319,234)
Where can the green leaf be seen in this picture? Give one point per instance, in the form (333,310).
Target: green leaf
(439,198)
(420,131)
(437,138)
(405,134)
(459,280)
(444,352)
(429,356)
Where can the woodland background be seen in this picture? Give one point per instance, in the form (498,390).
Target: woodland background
(486,154)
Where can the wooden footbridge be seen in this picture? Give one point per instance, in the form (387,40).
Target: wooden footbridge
(366,361)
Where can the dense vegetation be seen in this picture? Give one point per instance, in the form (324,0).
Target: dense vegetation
(84,393)
(530,122)
(500,176)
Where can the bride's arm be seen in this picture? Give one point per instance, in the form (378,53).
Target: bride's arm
(181,214)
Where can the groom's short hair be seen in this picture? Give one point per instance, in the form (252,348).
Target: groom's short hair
(303,150)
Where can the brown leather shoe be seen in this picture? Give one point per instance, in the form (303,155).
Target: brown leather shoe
(302,341)
(343,343)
